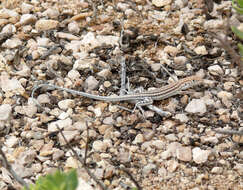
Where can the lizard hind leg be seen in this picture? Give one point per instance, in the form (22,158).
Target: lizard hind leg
(145,102)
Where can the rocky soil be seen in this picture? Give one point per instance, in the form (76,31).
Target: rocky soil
(79,44)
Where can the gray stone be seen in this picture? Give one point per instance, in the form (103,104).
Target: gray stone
(90,83)
(149,168)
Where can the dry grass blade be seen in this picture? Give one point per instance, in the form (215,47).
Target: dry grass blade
(82,161)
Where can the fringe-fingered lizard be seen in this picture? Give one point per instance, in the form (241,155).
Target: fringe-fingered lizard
(140,98)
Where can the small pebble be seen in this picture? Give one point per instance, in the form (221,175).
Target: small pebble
(184,154)
(215,70)
(43,24)
(225,95)
(228,85)
(12,43)
(213,24)
(149,168)
(182,117)
(67,36)
(161,3)
(65,104)
(171,137)
(27,19)
(239,168)
(158,144)
(108,120)
(27,157)
(73,74)
(196,106)
(105,73)
(99,146)
(200,156)
(82,184)
(26,8)
(172,165)
(5,112)
(155,67)
(11,141)
(82,64)
(69,135)
(201,50)
(91,83)
(180,60)
(73,27)
(43,99)
(138,139)
(217,170)
(173,51)
(52,127)
(71,162)
(107,84)
(57,153)
(51,13)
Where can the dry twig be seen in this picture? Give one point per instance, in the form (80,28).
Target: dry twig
(131,177)
(82,161)
(8,167)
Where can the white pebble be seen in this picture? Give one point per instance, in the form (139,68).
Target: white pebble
(201,50)
(200,156)
(11,141)
(73,74)
(12,43)
(82,64)
(217,170)
(65,104)
(225,95)
(196,106)
(215,70)
(51,13)
(182,117)
(99,146)
(5,111)
(138,139)
(161,3)
(73,27)
(43,24)
(26,8)
(184,154)
(27,19)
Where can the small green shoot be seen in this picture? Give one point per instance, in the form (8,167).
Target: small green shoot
(57,181)
(238,5)
(237,32)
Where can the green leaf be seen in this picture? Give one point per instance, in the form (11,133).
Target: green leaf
(240,46)
(72,180)
(240,3)
(57,181)
(134,188)
(239,8)
(237,32)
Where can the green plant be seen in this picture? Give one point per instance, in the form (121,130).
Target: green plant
(238,6)
(57,181)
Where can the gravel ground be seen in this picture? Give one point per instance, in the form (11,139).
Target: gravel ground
(79,45)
